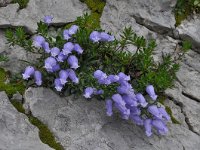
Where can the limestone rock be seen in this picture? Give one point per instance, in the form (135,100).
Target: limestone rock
(190,108)
(15,54)
(118,14)
(63,11)
(16,131)
(156,15)
(190,29)
(81,124)
(3,3)
(190,80)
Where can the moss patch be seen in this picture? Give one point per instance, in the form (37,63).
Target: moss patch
(10,88)
(46,136)
(18,106)
(161,99)
(184,8)
(169,111)
(96,7)
(22,3)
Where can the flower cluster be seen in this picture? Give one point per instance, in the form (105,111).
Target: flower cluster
(56,57)
(131,105)
(30,71)
(62,63)
(96,36)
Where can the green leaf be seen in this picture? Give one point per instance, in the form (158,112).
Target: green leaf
(186,46)
(196,2)
(3,58)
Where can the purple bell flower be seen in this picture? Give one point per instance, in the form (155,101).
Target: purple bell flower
(95,36)
(38,78)
(73,62)
(105,81)
(113,78)
(151,92)
(58,84)
(63,74)
(125,88)
(141,100)
(73,29)
(66,35)
(117,98)
(28,72)
(38,41)
(123,77)
(164,113)
(45,46)
(61,57)
(55,51)
(98,74)
(68,47)
(153,109)
(49,63)
(72,76)
(88,92)
(109,111)
(135,111)
(55,68)
(112,38)
(160,126)
(137,119)
(98,92)
(129,100)
(123,110)
(148,127)
(106,37)
(48,19)
(78,49)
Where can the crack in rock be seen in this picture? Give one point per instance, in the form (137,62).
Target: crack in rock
(16,131)
(181,106)
(190,96)
(64,11)
(88,118)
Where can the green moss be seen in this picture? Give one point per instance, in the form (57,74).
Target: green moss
(45,134)
(18,106)
(169,111)
(10,88)
(22,3)
(184,8)
(2,75)
(161,99)
(96,7)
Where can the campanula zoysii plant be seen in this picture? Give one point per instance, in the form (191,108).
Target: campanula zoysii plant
(79,59)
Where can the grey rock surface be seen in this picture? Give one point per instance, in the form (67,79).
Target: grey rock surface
(190,29)
(118,14)
(156,15)
(16,131)
(190,80)
(15,54)
(63,11)
(190,108)
(3,3)
(80,124)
